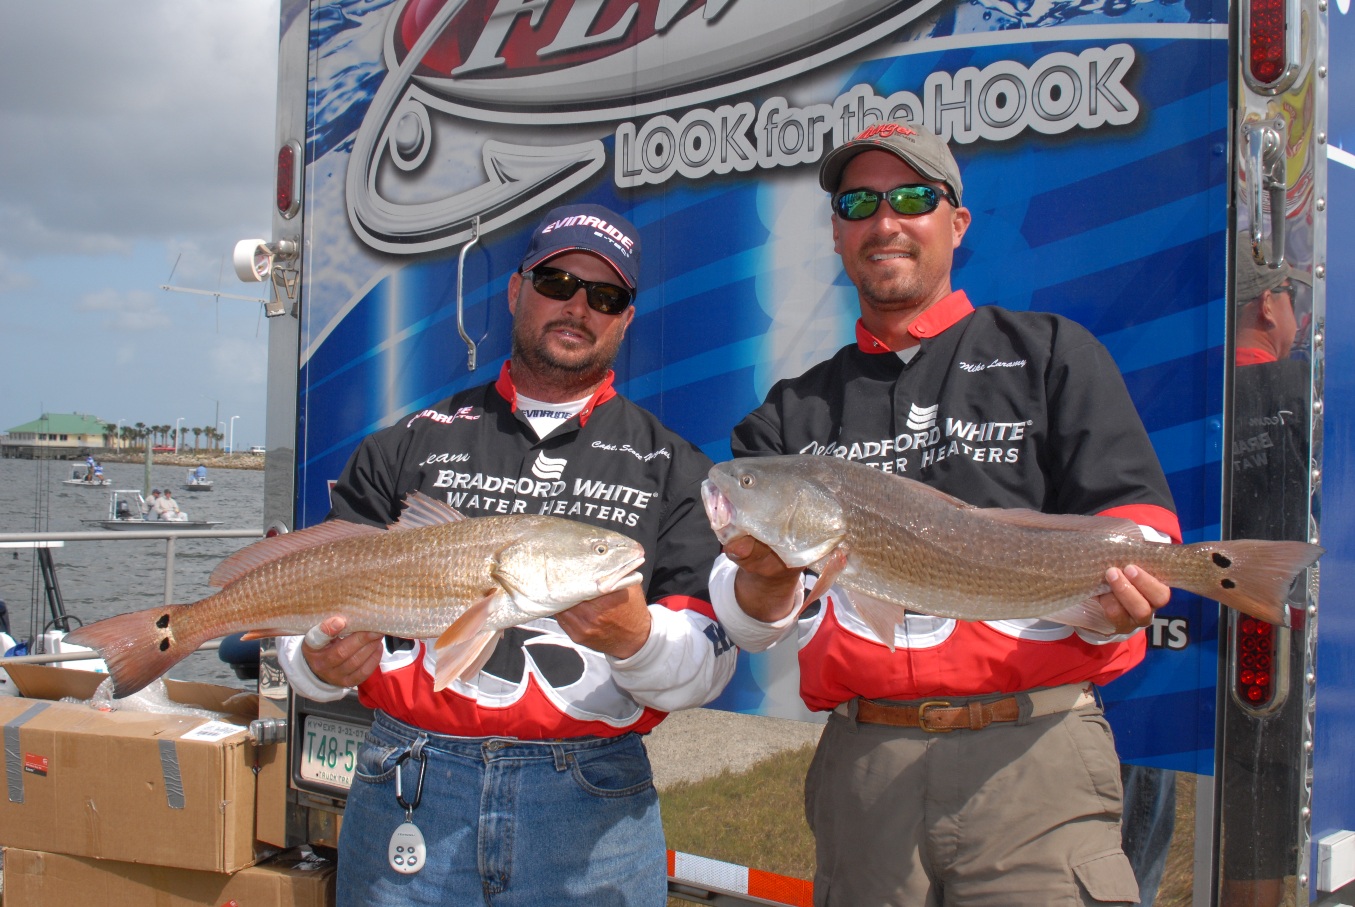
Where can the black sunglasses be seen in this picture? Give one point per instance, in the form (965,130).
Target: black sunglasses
(553,283)
(916,198)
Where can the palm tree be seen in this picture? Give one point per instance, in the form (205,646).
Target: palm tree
(197,434)
(141,431)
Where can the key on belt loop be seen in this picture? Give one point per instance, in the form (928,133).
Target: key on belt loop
(922,716)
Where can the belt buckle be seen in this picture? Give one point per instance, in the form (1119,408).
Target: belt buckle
(922,716)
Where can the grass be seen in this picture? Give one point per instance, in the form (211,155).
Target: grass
(756,818)
(750,818)
(1179,876)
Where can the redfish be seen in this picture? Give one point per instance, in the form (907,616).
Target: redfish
(431,573)
(896,544)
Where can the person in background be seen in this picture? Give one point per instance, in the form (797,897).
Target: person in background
(150,506)
(1148,825)
(1017,800)
(166,508)
(200,473)
(536,787)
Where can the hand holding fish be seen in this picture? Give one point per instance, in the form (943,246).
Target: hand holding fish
(1134,597)
(897,545)
(615,624)
(431,572)
(764,586)
(345,661)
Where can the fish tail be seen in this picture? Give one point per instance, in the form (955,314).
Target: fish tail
(138,647)
(1254,575)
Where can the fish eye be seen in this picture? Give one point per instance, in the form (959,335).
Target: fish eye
(747,481)
(600,548)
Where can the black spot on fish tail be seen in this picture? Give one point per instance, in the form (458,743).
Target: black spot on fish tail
(137,647)
(1254,576)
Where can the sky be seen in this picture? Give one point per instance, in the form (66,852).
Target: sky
(136,148)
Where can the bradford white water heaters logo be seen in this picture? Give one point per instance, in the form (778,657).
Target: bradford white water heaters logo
(548,62)
(922,418)
(548,468)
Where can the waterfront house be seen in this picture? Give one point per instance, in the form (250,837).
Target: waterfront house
(58,436)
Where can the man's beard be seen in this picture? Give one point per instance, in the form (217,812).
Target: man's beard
(893,292)
(567,374)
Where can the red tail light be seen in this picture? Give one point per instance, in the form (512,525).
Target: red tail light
(1270,46)
(1256,657)
(290,167)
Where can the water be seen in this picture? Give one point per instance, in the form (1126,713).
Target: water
(101,578)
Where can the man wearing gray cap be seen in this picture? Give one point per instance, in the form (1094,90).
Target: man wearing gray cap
(971,764)
(1271,469)
(527,782)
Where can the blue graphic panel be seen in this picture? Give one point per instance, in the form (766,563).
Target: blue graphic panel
(1119,225)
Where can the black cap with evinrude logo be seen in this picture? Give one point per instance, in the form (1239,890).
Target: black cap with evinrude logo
(587,228)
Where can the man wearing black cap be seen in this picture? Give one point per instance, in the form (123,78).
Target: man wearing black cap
(972,764)
(530,783)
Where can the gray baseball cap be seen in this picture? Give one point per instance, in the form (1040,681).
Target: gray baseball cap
(916,146)
(1254,278)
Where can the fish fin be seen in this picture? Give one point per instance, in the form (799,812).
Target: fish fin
(1063,522)
(1088,614)
(1254,575)
(267,551)
(421,512)
(138,646)
(466,626)
(464,659)
(837,560)
(881,616)
(266,633)
(803,557)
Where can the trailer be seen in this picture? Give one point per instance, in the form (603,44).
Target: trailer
(1118,156)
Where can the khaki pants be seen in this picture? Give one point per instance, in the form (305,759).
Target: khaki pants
(1014,814)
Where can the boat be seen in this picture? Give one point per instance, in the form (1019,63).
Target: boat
(124,512)
(197,483)
(101,482)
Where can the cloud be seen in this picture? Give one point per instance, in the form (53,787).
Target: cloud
(123,124)
(12,278)
(126,311)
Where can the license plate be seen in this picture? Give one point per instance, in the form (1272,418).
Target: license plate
(329,751)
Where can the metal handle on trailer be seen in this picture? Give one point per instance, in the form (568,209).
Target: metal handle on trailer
(1265,163)
(460,276)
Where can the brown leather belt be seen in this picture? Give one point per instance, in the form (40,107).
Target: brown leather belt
(939,716)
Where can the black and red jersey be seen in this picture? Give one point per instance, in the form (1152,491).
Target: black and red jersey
(999,409)
(612,465)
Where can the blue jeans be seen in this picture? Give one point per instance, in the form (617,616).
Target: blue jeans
(1148,823)
(507,823)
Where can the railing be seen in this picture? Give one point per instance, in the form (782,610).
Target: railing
(57,539)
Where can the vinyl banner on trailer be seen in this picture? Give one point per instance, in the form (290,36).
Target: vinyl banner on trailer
(1093,142)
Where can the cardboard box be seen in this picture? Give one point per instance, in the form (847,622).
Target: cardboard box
(36,879)
(164,789)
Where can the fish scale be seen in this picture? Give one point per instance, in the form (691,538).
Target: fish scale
(431,574)
(899,545)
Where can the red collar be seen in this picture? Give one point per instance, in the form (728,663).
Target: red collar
(504,385)
(1250,355)
(934,320)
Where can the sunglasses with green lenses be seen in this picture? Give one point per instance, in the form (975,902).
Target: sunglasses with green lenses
(553,283)
(916,198)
